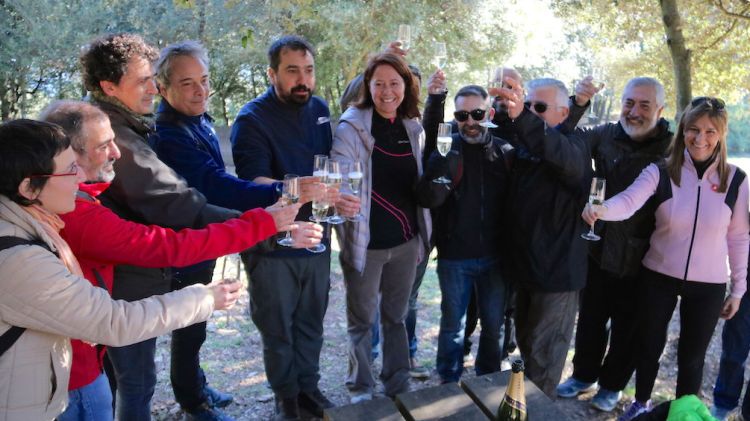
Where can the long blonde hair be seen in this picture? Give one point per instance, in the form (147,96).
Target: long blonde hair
(716,111)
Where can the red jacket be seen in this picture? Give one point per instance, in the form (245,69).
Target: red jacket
(100,239)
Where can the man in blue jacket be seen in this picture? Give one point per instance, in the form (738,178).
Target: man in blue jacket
(275,134)
(185,139)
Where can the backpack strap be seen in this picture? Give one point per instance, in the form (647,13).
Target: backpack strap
(10,336)
(734,188)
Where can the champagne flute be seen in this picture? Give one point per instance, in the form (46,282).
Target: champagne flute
(319,206)
(290,194)
(354,176)
(596,197)
(333,181)
(404,36)
(444,142)
(495,78)
(440,55)
(596,79)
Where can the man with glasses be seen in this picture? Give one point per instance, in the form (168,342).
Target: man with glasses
(468,233)
(547,259)
(620,151)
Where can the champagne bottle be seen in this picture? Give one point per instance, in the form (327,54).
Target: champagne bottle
(513,406)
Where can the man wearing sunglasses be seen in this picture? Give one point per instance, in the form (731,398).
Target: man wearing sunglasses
(547,256)
(468,233)
(620,151)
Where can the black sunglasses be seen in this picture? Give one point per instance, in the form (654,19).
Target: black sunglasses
(714,102)
(539,107)
(477,115)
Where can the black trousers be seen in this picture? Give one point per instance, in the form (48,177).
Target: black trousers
(288,302)
(700,306)
(607,316)
(186,374)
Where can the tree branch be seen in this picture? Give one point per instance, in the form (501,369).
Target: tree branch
(742,14)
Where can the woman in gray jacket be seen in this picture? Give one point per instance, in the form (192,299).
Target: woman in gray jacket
(379,253)
(41,285)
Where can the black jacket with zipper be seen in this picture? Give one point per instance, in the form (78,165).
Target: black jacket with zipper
(466,223)
(620,159)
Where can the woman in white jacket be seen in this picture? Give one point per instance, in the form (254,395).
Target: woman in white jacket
(701,223)
(379,254)
(41,285)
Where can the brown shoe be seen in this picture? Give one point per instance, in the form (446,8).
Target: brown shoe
(286,409)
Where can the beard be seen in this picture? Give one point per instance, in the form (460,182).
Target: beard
(477,138)
(293,96)
(639,130)
(106,173)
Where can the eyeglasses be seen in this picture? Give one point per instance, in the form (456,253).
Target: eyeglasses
(73,170)
(539,107)
(714,102)
(477,115)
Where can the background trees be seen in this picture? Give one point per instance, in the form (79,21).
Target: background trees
(620,38)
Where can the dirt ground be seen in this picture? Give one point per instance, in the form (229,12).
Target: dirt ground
(232,357)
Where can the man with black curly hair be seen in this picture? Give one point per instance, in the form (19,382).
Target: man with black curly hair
(118,72)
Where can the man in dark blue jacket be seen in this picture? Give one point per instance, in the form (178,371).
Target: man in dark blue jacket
(275,134)
(187,142)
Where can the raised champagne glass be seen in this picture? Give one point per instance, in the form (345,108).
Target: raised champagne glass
(596,197)
(290,195)
(444,141)
(404,36)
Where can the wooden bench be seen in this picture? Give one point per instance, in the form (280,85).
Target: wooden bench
(477,399)
(488,391)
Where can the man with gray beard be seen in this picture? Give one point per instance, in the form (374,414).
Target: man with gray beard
(620,151)
(468,233)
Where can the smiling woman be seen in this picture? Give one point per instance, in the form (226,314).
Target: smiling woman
(379,254)
(701,223)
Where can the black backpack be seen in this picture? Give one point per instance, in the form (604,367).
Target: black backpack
(10,336)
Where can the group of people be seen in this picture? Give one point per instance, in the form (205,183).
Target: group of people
(111,216)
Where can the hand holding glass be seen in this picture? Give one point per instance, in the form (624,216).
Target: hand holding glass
(596,197)
(319,205)
(290,194)
(444,141)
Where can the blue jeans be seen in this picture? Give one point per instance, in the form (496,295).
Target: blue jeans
(735,345)
(92,402)
(457,279)
(135,372)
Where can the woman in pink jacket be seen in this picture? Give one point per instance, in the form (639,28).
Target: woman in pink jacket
(701,223)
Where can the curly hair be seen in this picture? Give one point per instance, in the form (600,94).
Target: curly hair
(107,57)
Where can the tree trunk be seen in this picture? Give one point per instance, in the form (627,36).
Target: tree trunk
(202,21)
(680,53)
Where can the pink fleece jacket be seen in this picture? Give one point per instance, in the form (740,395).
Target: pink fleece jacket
(721,233)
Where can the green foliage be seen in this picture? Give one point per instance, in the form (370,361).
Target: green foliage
(627,39)
(738,138)
(39,52)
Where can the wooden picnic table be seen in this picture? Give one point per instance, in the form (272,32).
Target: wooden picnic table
(476,399)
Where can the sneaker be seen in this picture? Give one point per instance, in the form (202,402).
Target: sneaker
(505,364)
(720,413)
(634,409)
(735,415)
(314,402)
(417,371)
(207,413)
(571,388)
(358,397)
(605,399)
(286,409)
(217,399)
